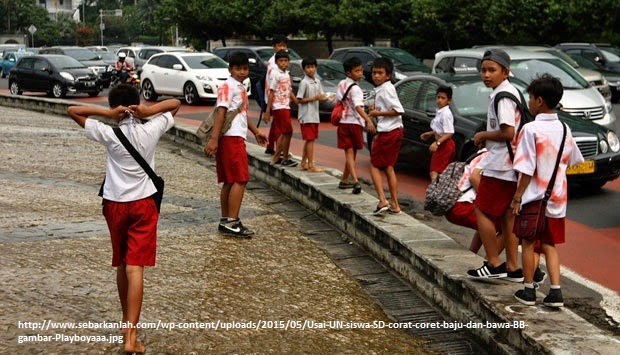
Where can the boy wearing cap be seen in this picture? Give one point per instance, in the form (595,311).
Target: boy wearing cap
(499,181)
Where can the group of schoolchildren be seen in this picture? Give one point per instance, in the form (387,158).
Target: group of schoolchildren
(132,215)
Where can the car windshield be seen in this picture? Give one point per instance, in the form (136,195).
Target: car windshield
(81,54)
(472,98)
(204,62)
(330,71)
(610,56)
(65,62)
(106,55)
(530,69)
(266,53)
(403,60)
(565,57)
(610,48)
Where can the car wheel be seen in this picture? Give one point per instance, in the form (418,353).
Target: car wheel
(595,185)
(191,94)
(14,88)
(58,91)
(148,91)
(93,94)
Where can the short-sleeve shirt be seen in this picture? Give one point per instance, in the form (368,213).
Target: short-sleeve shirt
(498,164)
(232,95)
(464,183)
(443,122)
(271,68)
(354,99)
(537,151)
(125,180)
(309,112)
(386,99)
(281,85)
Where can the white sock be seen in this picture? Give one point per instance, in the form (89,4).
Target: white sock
(555,287)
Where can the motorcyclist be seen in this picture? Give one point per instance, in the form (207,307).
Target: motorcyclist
(123,67)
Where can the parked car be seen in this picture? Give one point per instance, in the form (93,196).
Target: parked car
(405,64)
(580,98)
(5,48)
(598,145)
(9,60)
(258,55)
(98,49)
(86,57)
(604,59)
(56,75)
(108,58)
(330,72)
(138,56)
(194,76)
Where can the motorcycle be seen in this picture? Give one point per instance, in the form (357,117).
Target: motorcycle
(133,78)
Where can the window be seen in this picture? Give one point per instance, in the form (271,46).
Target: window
(167,61)
(154,61)
(429,98)
(465,65)
(443,66)
(40,64)
(408,92)
(296,71)
(26,63)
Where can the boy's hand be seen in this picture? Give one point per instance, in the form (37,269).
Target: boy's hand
(211,147)
(261,139)
(425,136)
(119,112)
(266,117)
(140,111)
(373,113)
(480,140)
(433,147)
(515,207)
(370,127)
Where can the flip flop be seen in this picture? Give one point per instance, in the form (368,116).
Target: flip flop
(391,211)
(314,169)
(380,209)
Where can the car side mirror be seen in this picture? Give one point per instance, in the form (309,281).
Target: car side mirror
(252,61)
(177,67)
(11,59)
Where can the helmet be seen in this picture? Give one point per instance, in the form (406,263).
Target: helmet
(122,55)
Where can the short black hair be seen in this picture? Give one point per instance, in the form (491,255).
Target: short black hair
(446,90)
(282,54)
(351,63)
(549,88)
(279,39)
(385,63)
(308,61)
(123,95)
(238,59)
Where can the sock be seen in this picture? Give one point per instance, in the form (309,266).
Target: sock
(529,285)
(555,287)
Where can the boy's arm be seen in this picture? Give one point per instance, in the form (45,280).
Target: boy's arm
(474,178)
(211,147)
(170,105)
(293,98)
(505,134)
(80,113)
(270,99)
(515,204)
(376,113)
(369,125)
(260,137)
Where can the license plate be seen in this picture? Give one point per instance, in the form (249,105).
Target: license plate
(587,167)
(90,83)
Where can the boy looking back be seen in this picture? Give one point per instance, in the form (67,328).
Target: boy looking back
(537,151)
(443,148)
(389,137)
(129,210)
(279,43)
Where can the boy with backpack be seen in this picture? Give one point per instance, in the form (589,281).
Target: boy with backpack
(443,148)
(546,147)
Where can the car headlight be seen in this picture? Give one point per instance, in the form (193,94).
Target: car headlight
(399,75)
(603,146)
(110,68)
(612,139)
(204,77)
(67,75)
(608,106)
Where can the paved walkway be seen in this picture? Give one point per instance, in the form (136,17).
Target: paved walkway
(55,261)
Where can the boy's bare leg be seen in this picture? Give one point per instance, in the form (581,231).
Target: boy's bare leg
(553,263)
(487,231)
(350,155)
(135,289)
(393,186)
(121,286)
(377,181)
(278,152)
(235,197)
(511,242)
(224,203)
(476,243)
(286,143)
(433,175)
(528,260)
(305,162)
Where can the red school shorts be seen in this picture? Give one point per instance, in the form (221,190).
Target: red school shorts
(282,119)
(133,231)
(494,195)
(350,135)
(231,161)
(554,233)
(309,131)
(385,148)
(443,156)
(464,214)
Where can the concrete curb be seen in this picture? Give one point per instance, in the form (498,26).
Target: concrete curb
(429,259)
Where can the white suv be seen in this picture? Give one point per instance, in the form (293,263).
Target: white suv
(580,98)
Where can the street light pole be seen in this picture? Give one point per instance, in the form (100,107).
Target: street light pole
(101,25)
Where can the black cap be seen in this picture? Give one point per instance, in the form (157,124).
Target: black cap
(497,55)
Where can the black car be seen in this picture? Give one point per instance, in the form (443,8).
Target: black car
(599,146)
(405,64)
(603,58)
(56,75)
(258,55)
(86,57)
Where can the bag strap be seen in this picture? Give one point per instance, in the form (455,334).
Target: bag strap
(557,164)
(134,153)
(346,93)
(507,95)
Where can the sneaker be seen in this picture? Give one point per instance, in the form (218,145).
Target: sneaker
(357,188)
(270,151)
(514,276)
(527,296)
(345,185)
(235,228)
(539,276)
(554,298)
(289,163)
(487,271)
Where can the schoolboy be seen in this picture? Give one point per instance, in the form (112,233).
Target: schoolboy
(539,145)
(309,95)
(443,148)
(499,181)
(278,43)
(351,128)
(389,137)
(129,210)
(231,158)
(278,106)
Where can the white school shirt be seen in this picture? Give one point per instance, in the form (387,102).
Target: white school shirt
(271,67)
(125,180)
(354,98)
(309,112)
(537,151)
(386,99)
(443,122)
(281,86)
(232,95)
(498,164)
(464,183)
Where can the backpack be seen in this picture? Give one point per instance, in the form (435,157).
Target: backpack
(338,110)
(443,192)
(526,115)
